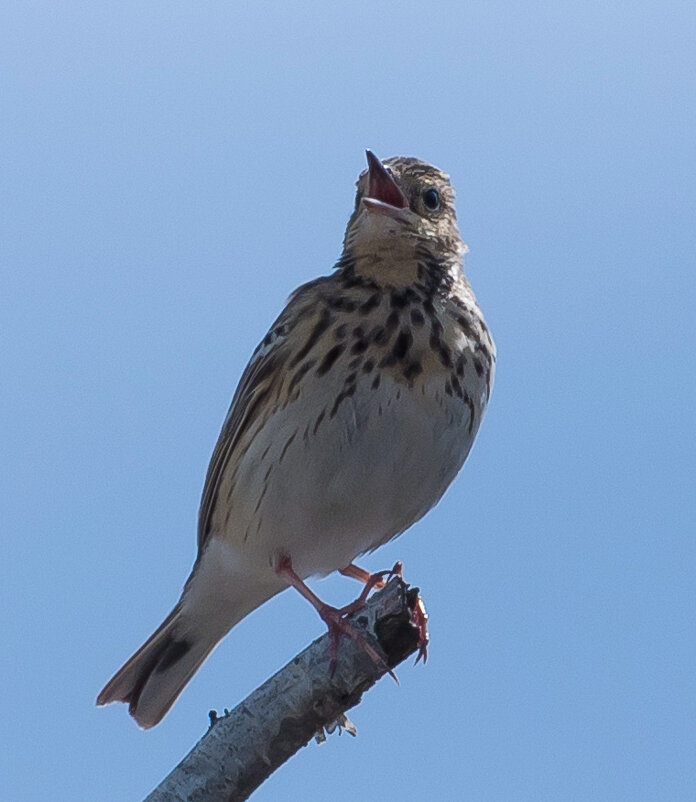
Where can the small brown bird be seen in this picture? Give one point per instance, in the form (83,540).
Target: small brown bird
(352,418)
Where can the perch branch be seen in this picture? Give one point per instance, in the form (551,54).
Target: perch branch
(302,700)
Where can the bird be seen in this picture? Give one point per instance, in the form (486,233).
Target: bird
(354,414)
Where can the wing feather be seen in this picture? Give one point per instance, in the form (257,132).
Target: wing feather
(257,382)
(262,378)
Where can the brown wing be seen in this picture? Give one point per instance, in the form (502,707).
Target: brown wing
(262,377)
(257,383)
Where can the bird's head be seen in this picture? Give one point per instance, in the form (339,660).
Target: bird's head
(404,207)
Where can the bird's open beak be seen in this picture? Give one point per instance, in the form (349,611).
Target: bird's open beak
(383,195)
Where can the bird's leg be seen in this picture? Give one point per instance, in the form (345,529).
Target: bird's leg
(419,618)
(373,580)
(356,572)
(335,618)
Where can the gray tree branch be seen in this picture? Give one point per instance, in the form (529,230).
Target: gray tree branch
(302,700)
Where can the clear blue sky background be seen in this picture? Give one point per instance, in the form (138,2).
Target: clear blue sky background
(170,172)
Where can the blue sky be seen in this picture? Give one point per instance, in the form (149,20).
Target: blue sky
(170,172)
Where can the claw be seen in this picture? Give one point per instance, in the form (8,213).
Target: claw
(397,570)
(420,619)
(337,623)
(336,618)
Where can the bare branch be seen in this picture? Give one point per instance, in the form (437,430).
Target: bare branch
(243,747)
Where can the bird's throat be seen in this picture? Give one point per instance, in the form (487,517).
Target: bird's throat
(399,264)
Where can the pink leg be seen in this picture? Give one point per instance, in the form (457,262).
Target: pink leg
(335,618)
(356,572)
(374,580)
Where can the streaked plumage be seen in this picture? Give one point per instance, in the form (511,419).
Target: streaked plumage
(353,416)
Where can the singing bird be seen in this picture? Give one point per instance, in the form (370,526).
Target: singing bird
(353,416)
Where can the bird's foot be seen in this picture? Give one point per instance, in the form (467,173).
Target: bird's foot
(336,619)
(376,580)
(371,581)
(419,617)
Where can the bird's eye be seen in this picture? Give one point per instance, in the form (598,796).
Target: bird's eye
(431,199)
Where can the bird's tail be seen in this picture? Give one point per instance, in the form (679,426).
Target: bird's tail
(152,679)
(215,598)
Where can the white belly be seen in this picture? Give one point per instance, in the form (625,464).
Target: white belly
(324,493)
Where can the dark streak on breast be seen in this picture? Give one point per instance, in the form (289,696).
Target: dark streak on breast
(472,410)
(286,446)
(320,327)
(417,317)
(392,320)
(318,421)
(342,303)
(371,303)
(467,327)
(379,335)
(300,372)
(347,393)
(412,370)
(402,344)
(263,492)
(359,346)
(445,355)
(331,356)
(402,297)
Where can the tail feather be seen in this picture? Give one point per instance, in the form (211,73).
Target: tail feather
(152,679)
(216,596)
